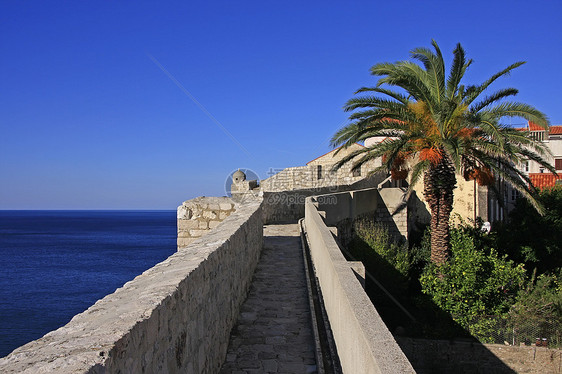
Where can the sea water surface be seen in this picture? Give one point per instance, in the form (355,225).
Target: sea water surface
(55,264)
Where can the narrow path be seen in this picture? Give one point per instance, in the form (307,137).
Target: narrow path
(273,333)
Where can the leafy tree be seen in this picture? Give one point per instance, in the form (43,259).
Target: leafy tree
(474,282)
(538,310)
(534,239)
(436,127)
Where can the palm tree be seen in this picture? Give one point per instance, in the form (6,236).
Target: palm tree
(436,128)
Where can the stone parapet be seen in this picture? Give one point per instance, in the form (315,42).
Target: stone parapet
(363,341)
(174,318)
(197,216)
(387,206)
(288,206)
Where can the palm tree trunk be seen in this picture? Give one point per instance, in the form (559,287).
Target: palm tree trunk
(439,183)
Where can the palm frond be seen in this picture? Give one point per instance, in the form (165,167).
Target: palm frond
(493,98)
(522,110)
(475,91)
(393,94)
(458,69)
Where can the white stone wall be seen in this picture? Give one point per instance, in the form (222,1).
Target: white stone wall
(197,216)
(554,143)
(174,318)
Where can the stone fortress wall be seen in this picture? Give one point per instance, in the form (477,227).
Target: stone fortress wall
(174,318)
(285,193)
(310,177)
(197,216)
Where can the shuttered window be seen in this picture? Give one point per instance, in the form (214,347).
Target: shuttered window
(558,164)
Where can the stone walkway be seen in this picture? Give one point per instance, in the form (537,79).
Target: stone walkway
(273,333)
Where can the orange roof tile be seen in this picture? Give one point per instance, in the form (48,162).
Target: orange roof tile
(542,180)
(553,130)
(534,127)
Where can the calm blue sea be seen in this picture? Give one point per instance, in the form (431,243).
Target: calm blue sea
(55,264)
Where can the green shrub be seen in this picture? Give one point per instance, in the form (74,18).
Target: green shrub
(534,239)
(378,238)
(538,310)
(473,283)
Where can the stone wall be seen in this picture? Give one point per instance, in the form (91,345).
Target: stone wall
(197,216)
(288,206)
(309,177)
(441,356)
(174,318)
(363,341)
(393,211)
(387,206)
(463,202)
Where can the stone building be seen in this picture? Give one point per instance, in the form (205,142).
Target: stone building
(318,173)
(552,138)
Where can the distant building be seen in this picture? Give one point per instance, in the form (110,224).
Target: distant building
(539,176)
(552,138)
(319,173)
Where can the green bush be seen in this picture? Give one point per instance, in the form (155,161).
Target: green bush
(386,249)
(473,283)
(534,239)
(538,310)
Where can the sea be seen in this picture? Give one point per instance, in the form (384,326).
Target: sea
(55,264)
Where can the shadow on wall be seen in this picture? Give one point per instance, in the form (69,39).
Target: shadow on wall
(418,215)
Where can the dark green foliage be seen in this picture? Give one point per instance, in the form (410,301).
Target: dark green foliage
(381,254)
(474,282)
(397,267)
(479,292)
(538,310)
(534,239)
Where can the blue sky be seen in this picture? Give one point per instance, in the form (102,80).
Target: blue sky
(123,105)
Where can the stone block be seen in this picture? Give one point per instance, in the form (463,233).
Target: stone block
(213,224)
(186,224)
(196,233)
(203,225)
(184,242)
(225,206)
(210,214)
(184,212)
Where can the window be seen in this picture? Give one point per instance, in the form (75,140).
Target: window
(526,166)
(357,172)
(558,163)
(514,194)
(319,171)
(537,135)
